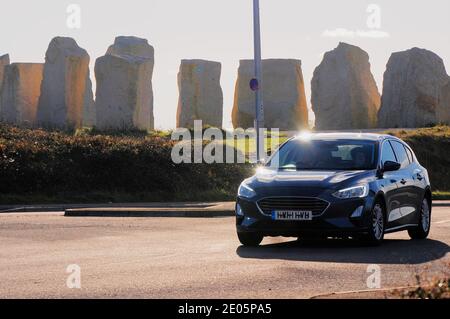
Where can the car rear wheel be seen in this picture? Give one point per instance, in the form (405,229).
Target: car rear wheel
(250,239)
(375,233)
(423,229)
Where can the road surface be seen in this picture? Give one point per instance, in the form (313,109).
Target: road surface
(198,258)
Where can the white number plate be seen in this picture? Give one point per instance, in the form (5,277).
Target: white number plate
(292,215)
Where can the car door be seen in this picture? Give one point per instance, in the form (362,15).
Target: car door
(418,176)
(390,185)
(407,186)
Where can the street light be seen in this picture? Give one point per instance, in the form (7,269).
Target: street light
(256,83)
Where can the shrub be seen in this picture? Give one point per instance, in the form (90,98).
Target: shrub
(432,148)
(58,164)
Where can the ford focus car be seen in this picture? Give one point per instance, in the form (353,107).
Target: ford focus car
(336,185)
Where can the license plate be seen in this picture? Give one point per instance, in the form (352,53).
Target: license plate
(291,215)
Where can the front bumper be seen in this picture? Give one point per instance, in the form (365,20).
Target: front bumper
(335,220)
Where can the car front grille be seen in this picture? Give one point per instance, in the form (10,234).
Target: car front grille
(270,204)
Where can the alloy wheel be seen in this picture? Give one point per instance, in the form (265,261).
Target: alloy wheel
(378,222)
(425,215)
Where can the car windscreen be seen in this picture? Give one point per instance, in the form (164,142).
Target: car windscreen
(326,155)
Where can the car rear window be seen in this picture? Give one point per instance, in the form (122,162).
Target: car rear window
(410,154)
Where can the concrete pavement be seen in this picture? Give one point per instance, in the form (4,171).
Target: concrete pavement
(198,258)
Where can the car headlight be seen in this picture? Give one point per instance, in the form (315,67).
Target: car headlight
(353,192)
(246,191)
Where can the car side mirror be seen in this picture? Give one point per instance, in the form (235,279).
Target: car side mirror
(390,166)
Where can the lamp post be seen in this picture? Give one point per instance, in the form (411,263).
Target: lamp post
(259,107)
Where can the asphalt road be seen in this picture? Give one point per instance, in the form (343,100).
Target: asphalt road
(198,258)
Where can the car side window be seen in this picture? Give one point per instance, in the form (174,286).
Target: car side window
(387,153)
(410,155)
(400,152)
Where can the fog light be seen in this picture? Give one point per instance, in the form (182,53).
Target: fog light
(239,211)
(358,212)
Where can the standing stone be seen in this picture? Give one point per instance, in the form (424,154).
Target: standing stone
(412,84)
(20,93)
(284,96)
(66,92)
(133,46)
(443,110)
(89,115)
(4,61)
(201,96)
(124,97)
(344,94)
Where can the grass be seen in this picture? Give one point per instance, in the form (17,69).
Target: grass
(248,146)
(438,195)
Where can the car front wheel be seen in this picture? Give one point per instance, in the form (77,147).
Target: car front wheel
(422,230)
(375,233)
(250,239)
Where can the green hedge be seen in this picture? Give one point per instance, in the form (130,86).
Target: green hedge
(40,165)
(432,148)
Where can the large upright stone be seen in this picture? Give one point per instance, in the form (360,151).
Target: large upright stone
(4,61)
(20,93)
(124,97)
(283,95)
(201,96)
(443,109)
(66,92)
(412,84)
(344,94)
(126,45)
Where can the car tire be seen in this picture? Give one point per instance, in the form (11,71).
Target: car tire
(377,225)
(250,239)
(423,229)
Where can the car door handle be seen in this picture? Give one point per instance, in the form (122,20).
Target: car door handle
(403,181)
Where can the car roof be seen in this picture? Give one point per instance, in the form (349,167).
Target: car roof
(344,136)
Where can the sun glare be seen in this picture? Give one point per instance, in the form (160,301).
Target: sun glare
(305,136)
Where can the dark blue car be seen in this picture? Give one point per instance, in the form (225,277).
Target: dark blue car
(336,185)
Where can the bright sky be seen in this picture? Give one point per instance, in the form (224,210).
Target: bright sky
(222,31)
